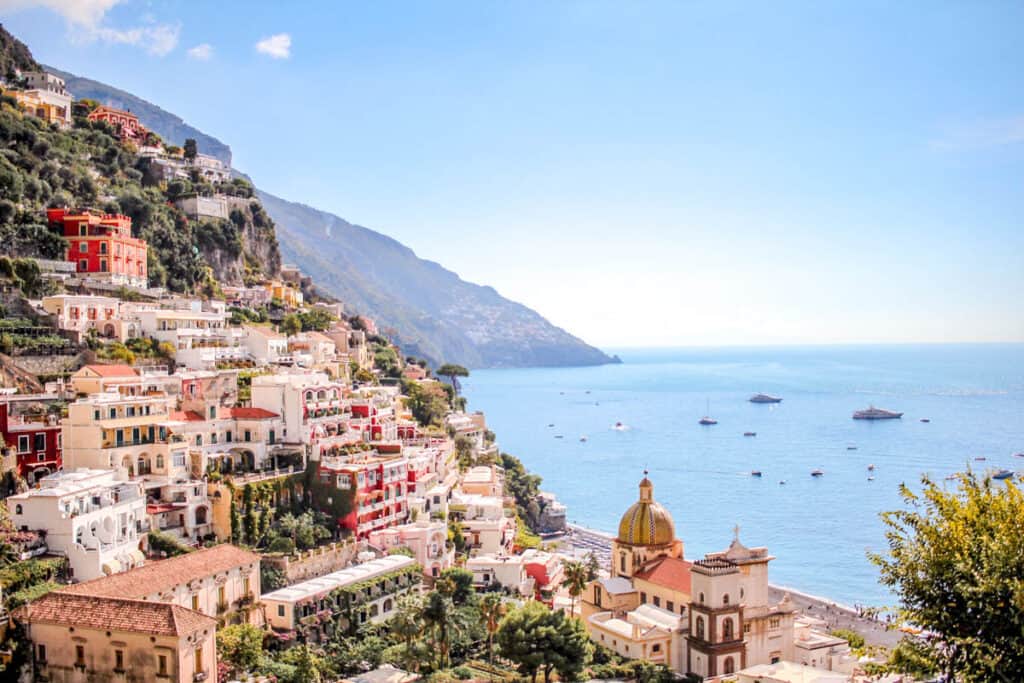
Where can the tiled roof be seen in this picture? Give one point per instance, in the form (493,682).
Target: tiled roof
(670,572)
(119,370)
(251,413)
(186,416)
(114,614)
(161,575)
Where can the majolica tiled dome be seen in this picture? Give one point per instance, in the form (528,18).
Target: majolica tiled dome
(646,522)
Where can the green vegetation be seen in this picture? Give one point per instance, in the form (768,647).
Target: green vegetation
(453,371)
(166,544)
(544,641)
(956,566)
(428,402)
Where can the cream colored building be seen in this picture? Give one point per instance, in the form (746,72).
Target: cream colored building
(129,434)
(509,571)
(79,638)
(427,540)
(484,480)
(90,517)
(222,582)
(81,313)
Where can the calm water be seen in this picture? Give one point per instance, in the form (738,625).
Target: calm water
(818,528)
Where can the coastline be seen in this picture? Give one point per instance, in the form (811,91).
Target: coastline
(579,541)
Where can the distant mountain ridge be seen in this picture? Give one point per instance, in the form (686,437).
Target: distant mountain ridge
(428,310)
(167,125)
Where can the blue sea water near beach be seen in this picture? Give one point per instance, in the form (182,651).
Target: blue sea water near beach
(818,528)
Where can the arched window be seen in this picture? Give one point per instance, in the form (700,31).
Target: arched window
(702,598)
(17,509)
(727,629)
(725,599)
(700,627)
(159,461)
(728,666)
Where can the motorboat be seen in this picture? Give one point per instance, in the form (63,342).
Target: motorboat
(851,448)
(981,458)
(873,413)
(764,398)
(583,439)
(620,427)
(871,468)
(756,473)
(1002,474)
(871,478)
(925,420)
(558,436)
(749,433)
(817,473)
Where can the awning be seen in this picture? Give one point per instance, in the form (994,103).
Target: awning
(111,567)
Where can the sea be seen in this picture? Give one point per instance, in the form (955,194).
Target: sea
(562,423)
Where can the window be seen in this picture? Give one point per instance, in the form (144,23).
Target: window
(776,657)
(280,610)
(220,596)
(80,655)
(112,413)
(657,601)
(773,623)
(245,586)
(728,666)
(670,606)
(161,668)
(23,443)
(725,599)
(83,265)
(40,440)
(700,627)
(41,653)
(213,412)
(17,509)
(248,435)
(119,660)
(83,248)
(656,647)
(622,563)
(272,437)
(103,247)
(702,598)
(199,660)
(227,436)
(159,461)
(727,629)
(746,627)
(195,602)
(83,230)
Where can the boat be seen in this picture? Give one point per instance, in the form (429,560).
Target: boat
(706,420)
(951,477)
(551,425)
(851,448)
(871,468)
(756,473)
(871,478)
(981,458)
(925,419)
(749,433)
(583,439)
(873,413)
(817,473)
(764,398)
(782,482)
(1018,455)
(1002,474)
(620,427)
(558,436)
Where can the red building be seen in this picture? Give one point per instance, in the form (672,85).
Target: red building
(126,123)
(36,443)
(379,485)
(102,245)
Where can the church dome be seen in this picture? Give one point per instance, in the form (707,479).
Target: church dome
(646,522)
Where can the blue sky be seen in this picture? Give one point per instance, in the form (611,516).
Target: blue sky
(641,173)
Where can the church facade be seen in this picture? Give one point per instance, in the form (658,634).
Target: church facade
(709,617)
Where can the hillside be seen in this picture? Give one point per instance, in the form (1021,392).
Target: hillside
(434,313)
(429,310)
(170,127)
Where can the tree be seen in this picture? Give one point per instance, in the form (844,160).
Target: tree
(453,372)
(492,609)
(576,577)
(291,325)
(407,624)
(955,564)
(240,645)
(307,665)
(191,149)
(440,615)
(538,639)
(458,585)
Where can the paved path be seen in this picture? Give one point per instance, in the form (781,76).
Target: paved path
(580,541)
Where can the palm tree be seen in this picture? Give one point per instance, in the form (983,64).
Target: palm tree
(576,577)
(407,623)
(440,614)
(492,609)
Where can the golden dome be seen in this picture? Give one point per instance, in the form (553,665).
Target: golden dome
(646,522)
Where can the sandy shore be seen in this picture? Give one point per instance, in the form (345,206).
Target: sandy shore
(579,541)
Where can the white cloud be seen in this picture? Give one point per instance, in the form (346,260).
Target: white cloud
(981,134)
(202,52)
(278,46)
(85,21)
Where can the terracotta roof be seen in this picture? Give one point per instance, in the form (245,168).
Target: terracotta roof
(119,370)
(670,572)
(161,575)
(114,614)
(186,416)
(251,413)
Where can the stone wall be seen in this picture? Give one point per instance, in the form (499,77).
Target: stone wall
(310,564)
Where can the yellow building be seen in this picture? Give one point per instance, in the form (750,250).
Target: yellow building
(34,103)
(289,295)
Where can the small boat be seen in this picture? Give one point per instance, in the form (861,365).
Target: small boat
(782,482)
(620,427)
(583,439)
(587,391)
(871,468)
(871,478)
(925,420)
(951,477)
(851,448)
(1002,474)
(558,436)
(749,433)
(1018,455)
(981,458)
(756,473)
(764,398)
(873,413)
(817,473)
(551,425)
(706,420)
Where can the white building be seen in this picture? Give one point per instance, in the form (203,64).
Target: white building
(507,570)
(485,526)
(201,339)
(310,404)
(266,345)
(89,516)
(84,312)
(203,207)
(50,89)
(286,607)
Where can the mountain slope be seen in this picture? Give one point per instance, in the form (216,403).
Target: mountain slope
(434,313)
(165,124)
